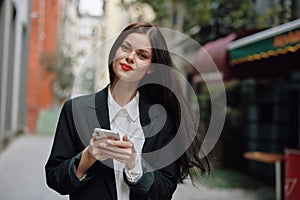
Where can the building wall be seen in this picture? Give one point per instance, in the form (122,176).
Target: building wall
(88,40)
(116,17)
(79,35)
(43,41)
(14,34)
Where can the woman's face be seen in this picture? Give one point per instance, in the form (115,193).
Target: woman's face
(133,58)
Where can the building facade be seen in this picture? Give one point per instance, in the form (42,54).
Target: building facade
(81,30)
(14,34)
(43,42)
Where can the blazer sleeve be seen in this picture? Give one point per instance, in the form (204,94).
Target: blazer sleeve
(157,184)
(65,155)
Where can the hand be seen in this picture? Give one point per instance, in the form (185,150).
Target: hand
(122,151)
(95,150)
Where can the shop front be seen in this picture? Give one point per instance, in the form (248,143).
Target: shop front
(271,54)
(271,60)
(266,65)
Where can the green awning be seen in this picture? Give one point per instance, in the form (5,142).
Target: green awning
(271,42)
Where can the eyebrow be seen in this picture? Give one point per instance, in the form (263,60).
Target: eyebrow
(141,50)
(127,43)
(144,51)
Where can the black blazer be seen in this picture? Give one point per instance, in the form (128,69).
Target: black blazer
(77,120)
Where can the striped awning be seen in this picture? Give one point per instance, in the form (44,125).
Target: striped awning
(276,41)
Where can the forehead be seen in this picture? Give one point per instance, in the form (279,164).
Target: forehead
(138,40)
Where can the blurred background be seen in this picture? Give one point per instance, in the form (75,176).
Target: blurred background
(255,44)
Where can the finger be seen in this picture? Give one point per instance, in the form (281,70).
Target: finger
(116,149)
(101,156)
(93,139)
(98,142)
(91,144)
(119,143)
(96,149)
(119,157)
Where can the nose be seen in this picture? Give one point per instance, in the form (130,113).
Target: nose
(130,57)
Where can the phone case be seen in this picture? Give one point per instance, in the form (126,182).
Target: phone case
(105,133)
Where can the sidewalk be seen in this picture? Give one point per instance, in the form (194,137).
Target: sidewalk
(22,169)
(22,176)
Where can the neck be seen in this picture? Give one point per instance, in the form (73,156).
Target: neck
(123,92)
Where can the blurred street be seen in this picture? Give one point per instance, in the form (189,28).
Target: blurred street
(22,176)
(238,65)
(22,169)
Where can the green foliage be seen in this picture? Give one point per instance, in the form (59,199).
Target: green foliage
(160,7)
(62,68)
(221,17)
(238,97)
(276,14)
(199,13)
(229,148)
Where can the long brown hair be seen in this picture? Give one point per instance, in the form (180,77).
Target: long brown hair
(175,105)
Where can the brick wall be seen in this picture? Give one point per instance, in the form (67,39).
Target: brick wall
(43,40)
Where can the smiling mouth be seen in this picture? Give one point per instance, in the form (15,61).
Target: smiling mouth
(126,67)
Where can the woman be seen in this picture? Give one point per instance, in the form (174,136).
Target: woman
(126,169)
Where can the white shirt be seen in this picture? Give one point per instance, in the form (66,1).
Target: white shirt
(125,120)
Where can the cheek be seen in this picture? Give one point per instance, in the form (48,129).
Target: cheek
(117,58)
(144,68)
(119,55)
(144,65)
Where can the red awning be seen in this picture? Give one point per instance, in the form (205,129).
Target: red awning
(213,54)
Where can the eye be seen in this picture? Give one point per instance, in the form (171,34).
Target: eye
(143,56)
(125,48)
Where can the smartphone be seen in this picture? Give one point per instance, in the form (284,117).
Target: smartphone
(105,133)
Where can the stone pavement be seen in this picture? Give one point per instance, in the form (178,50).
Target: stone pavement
(22,169)
(22,175)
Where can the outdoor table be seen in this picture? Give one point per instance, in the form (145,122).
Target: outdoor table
(265,157)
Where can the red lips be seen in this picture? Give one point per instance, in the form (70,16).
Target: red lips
(126,67)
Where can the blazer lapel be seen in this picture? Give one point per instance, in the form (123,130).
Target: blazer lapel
(102,108)
(97,114)
(150,140)
(102,116)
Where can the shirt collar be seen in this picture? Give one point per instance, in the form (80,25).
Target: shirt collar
(131,108)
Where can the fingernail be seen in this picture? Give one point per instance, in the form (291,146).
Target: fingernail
(109,141)
(102,145)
